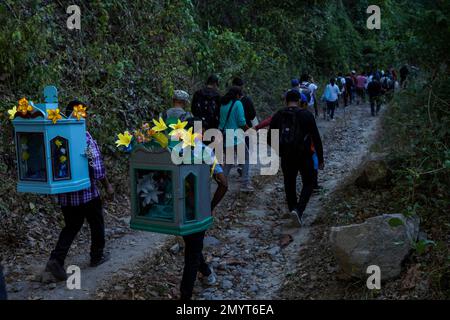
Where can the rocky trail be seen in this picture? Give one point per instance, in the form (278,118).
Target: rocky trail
(253,246)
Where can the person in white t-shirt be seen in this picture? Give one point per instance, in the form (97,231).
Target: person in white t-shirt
(308,82)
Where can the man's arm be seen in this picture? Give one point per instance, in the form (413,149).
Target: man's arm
(194,104)
(249,109)
(222,188)
(98,168)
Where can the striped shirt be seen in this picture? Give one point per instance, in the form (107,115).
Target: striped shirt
(96,172)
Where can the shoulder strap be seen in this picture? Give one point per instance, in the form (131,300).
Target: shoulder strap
(228,115)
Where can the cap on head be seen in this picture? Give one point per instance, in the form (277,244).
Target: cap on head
(294,82)
(181,95)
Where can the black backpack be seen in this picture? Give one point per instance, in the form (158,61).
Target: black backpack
(292,136)
(304,88)
(206,108)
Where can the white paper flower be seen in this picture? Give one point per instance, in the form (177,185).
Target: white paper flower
(147,190)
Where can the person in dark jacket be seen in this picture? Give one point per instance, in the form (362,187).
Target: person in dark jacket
(3,295)
(206,103)
(375,91)
(298,158)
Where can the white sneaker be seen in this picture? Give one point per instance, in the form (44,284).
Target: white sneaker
(247,188)
(211,279)
(296,220)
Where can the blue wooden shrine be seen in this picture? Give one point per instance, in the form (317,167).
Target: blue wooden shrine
(51,157)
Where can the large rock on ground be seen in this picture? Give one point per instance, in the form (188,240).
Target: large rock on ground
(375,242)
(375,173)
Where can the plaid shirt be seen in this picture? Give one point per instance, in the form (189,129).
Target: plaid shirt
(96,172)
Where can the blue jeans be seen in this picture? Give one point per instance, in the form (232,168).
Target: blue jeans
(3,295)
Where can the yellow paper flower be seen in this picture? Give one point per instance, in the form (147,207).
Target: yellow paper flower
(124,139)
(178,125)
(178,129)
(63,159)
(12,112)
(159,125)
(79,112)
(58,143)
(54,115)
(161,139)
(24,107)
(25,156)
(189,138)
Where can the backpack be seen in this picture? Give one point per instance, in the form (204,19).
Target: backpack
(206,108)
(292,136)
(304,88)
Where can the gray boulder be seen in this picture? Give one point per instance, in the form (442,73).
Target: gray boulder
(384,241)
(374,172)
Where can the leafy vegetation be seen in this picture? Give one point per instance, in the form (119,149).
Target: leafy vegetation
(130,56)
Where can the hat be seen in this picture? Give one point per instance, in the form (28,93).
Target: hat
(294,82)
(353,71)
(181,95)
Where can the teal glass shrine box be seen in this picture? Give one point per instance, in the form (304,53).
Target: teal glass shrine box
(168,198)
(51,158)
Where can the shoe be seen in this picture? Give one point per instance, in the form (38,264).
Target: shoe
(56,269)
(210,280)
(247,188)
(95,263)
(296,220)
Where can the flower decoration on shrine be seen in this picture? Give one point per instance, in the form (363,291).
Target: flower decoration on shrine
(24,107)
(54,115)
(79,112)
(12,112)
(160,135)
(178,129)
(189,138)
(124,139)
(159,125)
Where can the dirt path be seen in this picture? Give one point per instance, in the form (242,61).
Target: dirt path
(252,247)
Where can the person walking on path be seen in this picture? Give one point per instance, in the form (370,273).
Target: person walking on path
(194,261)
(80,206)
(178,111)
(361,81)
(206,103)
(232,120)
(297,130)
(250,115)
(331,96)
(375,91)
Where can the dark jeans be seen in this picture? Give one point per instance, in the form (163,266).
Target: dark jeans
(74,218)
(348,96)
(194,262)
(291,167)
(361,94)
(315,178)
(3,295)
(331,106)
(375,101)
(316,107)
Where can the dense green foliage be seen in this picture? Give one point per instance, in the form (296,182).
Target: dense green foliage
(130,56)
